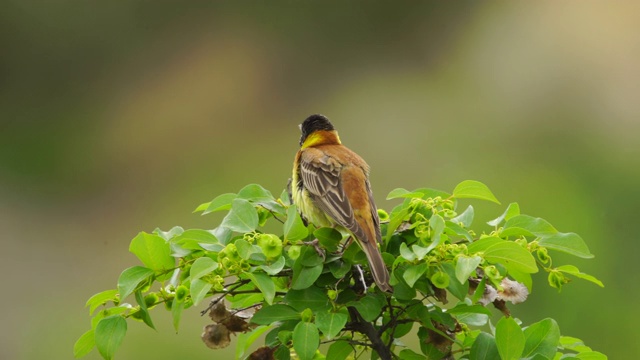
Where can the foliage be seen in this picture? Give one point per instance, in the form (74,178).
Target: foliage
(318,302)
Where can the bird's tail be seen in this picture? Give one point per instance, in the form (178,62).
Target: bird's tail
(378,268)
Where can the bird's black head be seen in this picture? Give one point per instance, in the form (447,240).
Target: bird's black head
(314,123)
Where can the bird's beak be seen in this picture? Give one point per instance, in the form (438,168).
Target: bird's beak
(300,127)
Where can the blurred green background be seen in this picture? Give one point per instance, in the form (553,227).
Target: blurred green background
(123,116)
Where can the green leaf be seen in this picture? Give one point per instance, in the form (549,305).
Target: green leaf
(466,218)
(509,339)
(294,228)
(512,256)
(245,250)
(569,243)
(85,344)
(312,298)
(484,348)
(436,223)
(397,217)
(198,235)
(570,269)
(255,193)
(304,276)
(408,354)
(465,266)
(168,235)
(420,251)
(265,284)
(329,238)
(483,244)
(199,290)
(403,193)
(414,273)
(275,267)
(309,257)
(339,350)
(536,226)
(245,340)
(276,312)
(453,228)
(369,307)
(591,355)
(470,189)
(101,298)
(463,308)
(261,196)
(153,251)
(456,288)
(512,210)
(131,278)
(109,334)
(242,217)
(143,310)
(432,193)
(221,202)
(176,312)
(541,339)
(201,267)
(305,340)
(406,253)
(331,323)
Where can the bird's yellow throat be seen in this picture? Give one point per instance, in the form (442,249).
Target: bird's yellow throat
(321,137)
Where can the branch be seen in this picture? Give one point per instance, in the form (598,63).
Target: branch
(366,328)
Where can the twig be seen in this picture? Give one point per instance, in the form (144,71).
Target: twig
(272,213)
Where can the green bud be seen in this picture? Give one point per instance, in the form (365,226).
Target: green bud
(543,255)
(332,294)
(271,245)
(307,315)
(421,231)
(231,252)
(556,279)
(448,204)
(245,266)
(285,336)
(294,251)
(440,280)
(522,242)
(448,213)
(492,273)
(383,215)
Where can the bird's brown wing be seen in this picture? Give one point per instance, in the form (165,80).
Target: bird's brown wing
(374,213)
(320,175)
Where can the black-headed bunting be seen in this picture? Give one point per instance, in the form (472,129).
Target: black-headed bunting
(330,187)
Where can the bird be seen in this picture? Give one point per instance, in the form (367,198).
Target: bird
(330,188)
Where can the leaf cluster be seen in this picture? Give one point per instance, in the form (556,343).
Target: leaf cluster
(312,296)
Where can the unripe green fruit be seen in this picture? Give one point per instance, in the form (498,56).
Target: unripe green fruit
(151,300)
(440,280)
(271,245)
(181,292)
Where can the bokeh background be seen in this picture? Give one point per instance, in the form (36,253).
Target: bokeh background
(123,116)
